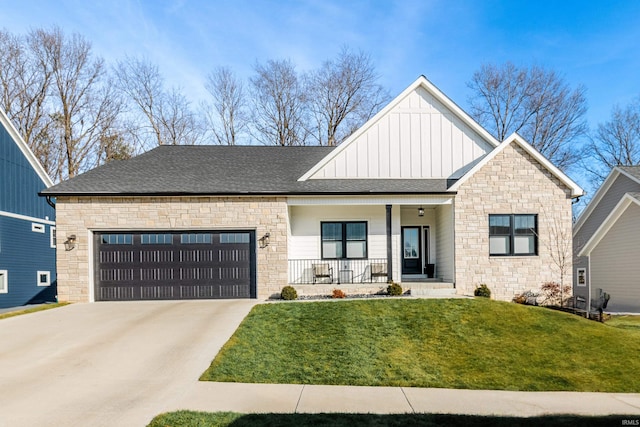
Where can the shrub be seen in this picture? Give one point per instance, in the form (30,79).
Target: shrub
(482,291)
(289,293)
(338,293)
(527,297)
(554,294)
(520,299)
(394,289)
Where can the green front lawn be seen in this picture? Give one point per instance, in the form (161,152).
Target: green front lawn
(223,419)
(625,322)
(450,343)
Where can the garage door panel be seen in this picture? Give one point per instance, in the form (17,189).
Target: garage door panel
(157,292)
(115,293)
(186,265)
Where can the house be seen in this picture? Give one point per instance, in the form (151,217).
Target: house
(421,192)
(27,227)
(606,244)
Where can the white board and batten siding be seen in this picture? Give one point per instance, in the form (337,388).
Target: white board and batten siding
(615,265)
(418,138)
(305,243)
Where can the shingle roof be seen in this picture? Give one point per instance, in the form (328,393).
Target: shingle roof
(632,170)
(233,170)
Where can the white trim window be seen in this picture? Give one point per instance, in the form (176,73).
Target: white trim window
(4,281)
(44,278)
(53,241)
(581,274)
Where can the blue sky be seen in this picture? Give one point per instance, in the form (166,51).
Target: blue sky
(594,43)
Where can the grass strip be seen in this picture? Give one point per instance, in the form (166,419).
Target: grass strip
(32,310)
(223,419)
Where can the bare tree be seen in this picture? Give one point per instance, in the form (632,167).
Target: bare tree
(616,142)
(536,103)
(559,243)
(180,124)
(226,115)
(159,117)
(83,106)
(278,115)
(343,94)
(24,83)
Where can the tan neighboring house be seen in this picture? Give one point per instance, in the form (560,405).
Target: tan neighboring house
(421,195)
(606,240)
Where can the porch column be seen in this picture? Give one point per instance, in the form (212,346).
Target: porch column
(389,253)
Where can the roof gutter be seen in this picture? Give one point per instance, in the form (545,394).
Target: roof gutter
(275,194)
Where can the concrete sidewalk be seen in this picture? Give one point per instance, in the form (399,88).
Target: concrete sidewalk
(285,398)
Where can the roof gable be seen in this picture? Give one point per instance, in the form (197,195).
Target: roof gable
(633,172)
(514,138)
(630,172)
(24,148)
(421,134)
(612,218)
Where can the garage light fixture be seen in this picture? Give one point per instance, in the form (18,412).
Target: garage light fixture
(420,211)
(264,240)
(70,243)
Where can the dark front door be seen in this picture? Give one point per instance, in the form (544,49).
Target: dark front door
(165,265)
(411,250)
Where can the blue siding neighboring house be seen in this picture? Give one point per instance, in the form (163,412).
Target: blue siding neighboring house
(27,224)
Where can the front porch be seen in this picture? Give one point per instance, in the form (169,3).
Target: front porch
(365,242)
(314,277)
(338,271)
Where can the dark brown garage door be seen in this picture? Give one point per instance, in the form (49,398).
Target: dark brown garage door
(164,266)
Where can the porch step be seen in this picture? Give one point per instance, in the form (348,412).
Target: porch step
(430,289)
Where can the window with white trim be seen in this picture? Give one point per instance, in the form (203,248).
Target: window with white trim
(4,281)
(512,234)
(581,273)
(44,278)
(52,237)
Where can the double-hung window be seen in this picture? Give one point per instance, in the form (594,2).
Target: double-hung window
(513,235)
(344,240)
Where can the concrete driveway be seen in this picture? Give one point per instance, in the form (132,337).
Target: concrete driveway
(108,364)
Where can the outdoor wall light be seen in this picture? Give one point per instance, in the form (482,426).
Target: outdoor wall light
(70,243)
(420,211)
(264,240)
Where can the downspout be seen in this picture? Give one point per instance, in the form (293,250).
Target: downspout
(52,204)
(589,286)
(588,273)
(389,246)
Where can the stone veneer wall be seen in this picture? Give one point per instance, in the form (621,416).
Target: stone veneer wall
(82,215)
(513,182)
